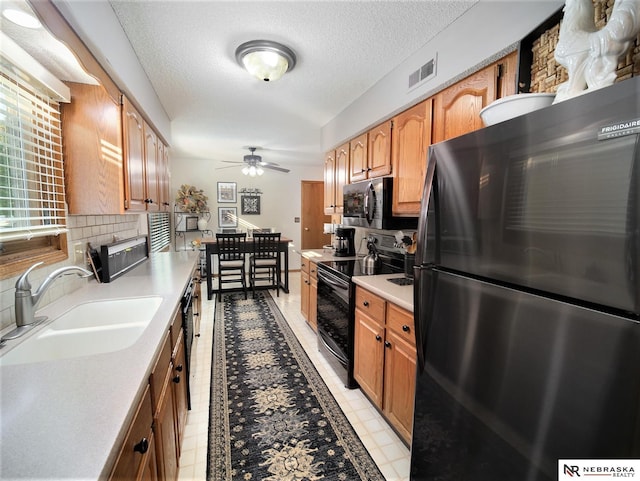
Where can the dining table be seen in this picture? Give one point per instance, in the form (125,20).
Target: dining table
(211,249)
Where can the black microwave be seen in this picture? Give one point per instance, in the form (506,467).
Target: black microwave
(368,204)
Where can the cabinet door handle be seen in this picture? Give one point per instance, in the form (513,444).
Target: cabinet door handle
(365,303)
(142,447)
(405,328)
(387,344)
(378,338)
(176,379)
(179,368)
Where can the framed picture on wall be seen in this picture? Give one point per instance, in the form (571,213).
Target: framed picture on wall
(227,217)
(191,223)
(227,192)
(250,204)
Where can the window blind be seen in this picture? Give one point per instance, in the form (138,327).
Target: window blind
(32,202)
(159,231)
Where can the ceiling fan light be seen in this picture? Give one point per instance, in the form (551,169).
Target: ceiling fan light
(245,170)
(252,171)
(260,171)
(265,60)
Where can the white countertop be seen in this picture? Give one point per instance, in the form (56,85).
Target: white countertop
(67,418)
(378,284)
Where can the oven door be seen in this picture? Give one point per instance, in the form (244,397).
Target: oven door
(336,324)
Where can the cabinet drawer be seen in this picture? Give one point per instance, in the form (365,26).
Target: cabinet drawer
(401,322)
(373,305)
(176,328)
(304,265)
(313,270)
(159,372)
(138,442)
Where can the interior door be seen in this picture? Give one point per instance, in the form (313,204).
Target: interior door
(313,216)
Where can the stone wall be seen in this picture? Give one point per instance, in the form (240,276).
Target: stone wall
(547,74)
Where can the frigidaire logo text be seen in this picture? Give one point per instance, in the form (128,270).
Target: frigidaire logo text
(619,129)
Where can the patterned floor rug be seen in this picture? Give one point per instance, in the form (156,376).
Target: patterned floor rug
(272,418)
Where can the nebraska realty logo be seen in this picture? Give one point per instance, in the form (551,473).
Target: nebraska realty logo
(585,468)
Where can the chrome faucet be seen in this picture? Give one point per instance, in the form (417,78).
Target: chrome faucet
(26,302)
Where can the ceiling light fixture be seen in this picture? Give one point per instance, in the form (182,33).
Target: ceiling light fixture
(22,18)
(266,60)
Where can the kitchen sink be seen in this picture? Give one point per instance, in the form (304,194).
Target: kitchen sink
(87,329)
(108,312)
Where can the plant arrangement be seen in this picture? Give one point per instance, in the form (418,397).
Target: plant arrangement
(191,199)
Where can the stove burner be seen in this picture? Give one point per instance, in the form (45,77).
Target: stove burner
(402,281)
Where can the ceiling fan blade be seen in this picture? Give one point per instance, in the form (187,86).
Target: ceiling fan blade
(271,167)
(228,166)
(265,164)
(231,162)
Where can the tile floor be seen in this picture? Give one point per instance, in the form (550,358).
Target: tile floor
(391,455)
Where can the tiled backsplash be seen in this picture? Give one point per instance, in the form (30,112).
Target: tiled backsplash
(96,229)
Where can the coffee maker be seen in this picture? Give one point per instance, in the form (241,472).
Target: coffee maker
(344,245)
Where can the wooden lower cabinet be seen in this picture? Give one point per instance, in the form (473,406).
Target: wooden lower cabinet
(309,291)
(151,450)
(305,286)
(137,458)
(165,430)
(369,356)
(385,358)
(169,398)
(179,382)
(313,297)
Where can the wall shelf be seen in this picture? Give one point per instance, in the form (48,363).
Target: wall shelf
(186,227)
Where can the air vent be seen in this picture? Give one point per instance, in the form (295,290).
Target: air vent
(424,73)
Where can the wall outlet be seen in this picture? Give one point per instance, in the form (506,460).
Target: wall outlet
(79,254)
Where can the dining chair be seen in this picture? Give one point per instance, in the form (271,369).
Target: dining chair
(231,260)
(264,261)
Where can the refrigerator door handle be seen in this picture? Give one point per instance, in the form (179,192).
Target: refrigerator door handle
(423,285)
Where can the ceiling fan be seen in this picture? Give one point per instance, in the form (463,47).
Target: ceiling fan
(254,165)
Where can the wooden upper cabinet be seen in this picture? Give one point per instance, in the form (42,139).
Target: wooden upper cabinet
(358,169)
(409,144)
(92,151)
(165,190)
(145,164)
(371,153)
(153,160)
(134,143)
(342,174)
(457,108)
(330,182)
(379,151)
(508,75)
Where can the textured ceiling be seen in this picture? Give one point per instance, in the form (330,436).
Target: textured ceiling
(216,109)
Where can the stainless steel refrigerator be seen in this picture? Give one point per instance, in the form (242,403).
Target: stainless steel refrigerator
(527,296)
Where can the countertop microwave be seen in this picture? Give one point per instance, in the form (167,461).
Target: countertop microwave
(368,204)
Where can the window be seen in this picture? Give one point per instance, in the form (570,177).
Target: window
(159,231)
(32,203)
